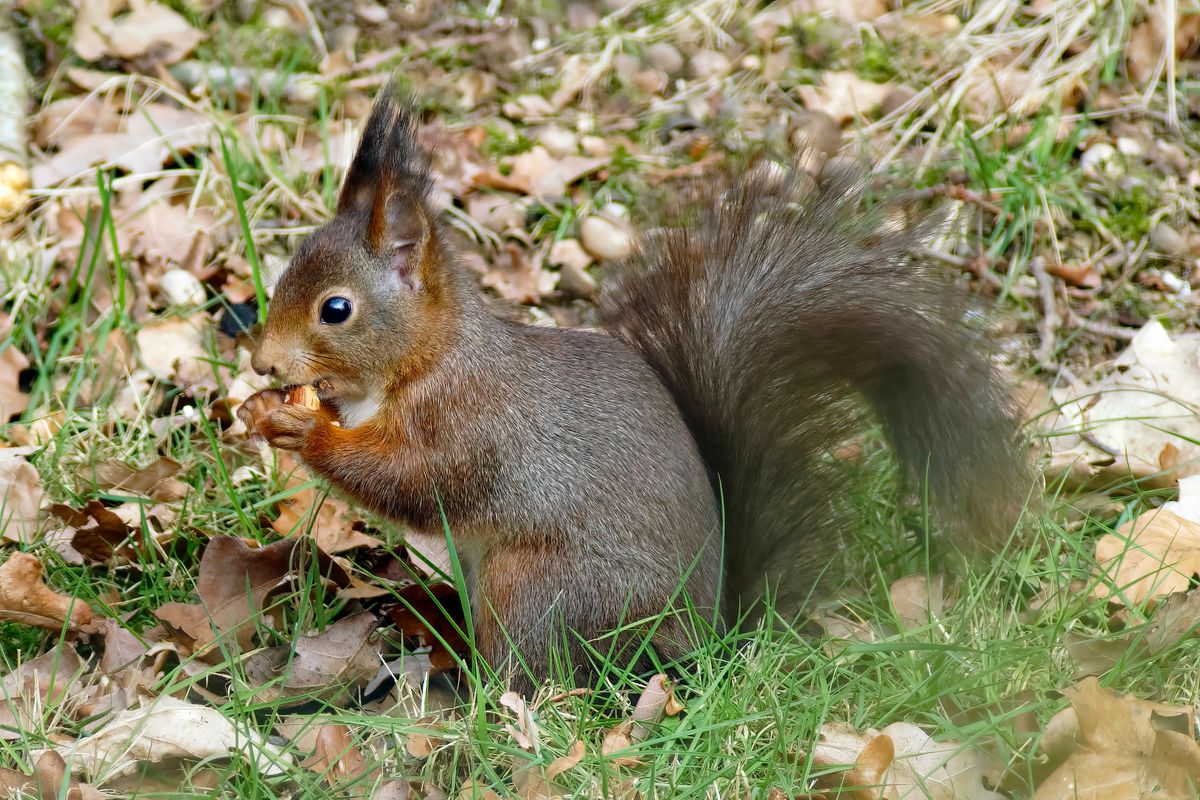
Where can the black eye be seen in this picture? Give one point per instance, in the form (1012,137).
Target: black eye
(335,311)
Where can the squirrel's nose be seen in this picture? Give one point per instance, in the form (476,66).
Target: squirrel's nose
(265,357)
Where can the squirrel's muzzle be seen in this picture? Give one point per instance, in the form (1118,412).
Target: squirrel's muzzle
(267,356)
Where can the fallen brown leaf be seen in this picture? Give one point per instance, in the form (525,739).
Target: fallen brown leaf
(20,498)
(336,756)
(34,686)
(234,581)
(647,713)
(519,276)
(148,32)
(156,479)
(540,174)
(1138,419)
(526,730)
(1123,747)
(164,728)
(902,762)
(918,600)
(1175,618)
(432,613)
(153,134)
(1153,555)
(308,510)
(25,597)
(843,95)
(325,665)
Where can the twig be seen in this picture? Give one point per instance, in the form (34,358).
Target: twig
(1100,328)
(1049,324)
(980,267)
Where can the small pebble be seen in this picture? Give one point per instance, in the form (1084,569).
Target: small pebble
(238,317)
(1130,147)
(1168,241)
(182,288)
(558,141)
(664,56)
(1099,160)
(707,64)
(606,239)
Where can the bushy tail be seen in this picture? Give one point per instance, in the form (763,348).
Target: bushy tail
(771,313)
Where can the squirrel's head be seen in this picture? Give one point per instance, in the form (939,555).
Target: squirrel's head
(365,297)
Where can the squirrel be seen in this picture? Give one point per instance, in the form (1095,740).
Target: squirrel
(603,486)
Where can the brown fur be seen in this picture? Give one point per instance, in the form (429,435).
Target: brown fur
(575,491)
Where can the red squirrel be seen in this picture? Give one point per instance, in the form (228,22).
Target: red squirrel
(676,462)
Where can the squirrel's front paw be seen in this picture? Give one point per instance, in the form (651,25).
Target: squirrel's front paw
(284,425)
(289,427)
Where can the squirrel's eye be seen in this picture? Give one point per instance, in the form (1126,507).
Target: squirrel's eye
(335,311)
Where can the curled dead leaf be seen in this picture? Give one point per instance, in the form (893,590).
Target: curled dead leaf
(336,756)
(308,510)
(1120,746)
(1153,555)
(163,728)
(25,597)
(20,498)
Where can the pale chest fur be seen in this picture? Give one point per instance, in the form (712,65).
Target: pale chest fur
(356,412)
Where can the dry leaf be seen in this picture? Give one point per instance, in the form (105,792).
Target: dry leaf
(902,762)
(173,350)
(1125,747)
(647,713)
(526,732)
(324,665)
(1140,419)
(1175,618)
(520,277)
(20,497)
(165,728)
(918,601)
(563,763)
(36,686)
(149,31)
(437,605)
(153,134)
(156,479)
(234,581)
(49,781)
(25,598)
(12,400)
(336,756)
(540,174)
(1156,554)
(97,533)
(121,647)
(843,95)
(327,519)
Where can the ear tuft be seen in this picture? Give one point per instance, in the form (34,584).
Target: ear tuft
(388,160)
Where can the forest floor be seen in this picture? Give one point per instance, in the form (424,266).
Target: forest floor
(184,613)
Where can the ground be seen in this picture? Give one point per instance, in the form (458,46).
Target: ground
(193,580)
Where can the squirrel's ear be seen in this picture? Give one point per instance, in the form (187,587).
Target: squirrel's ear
(388,157)
(388,183)
(403,229)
